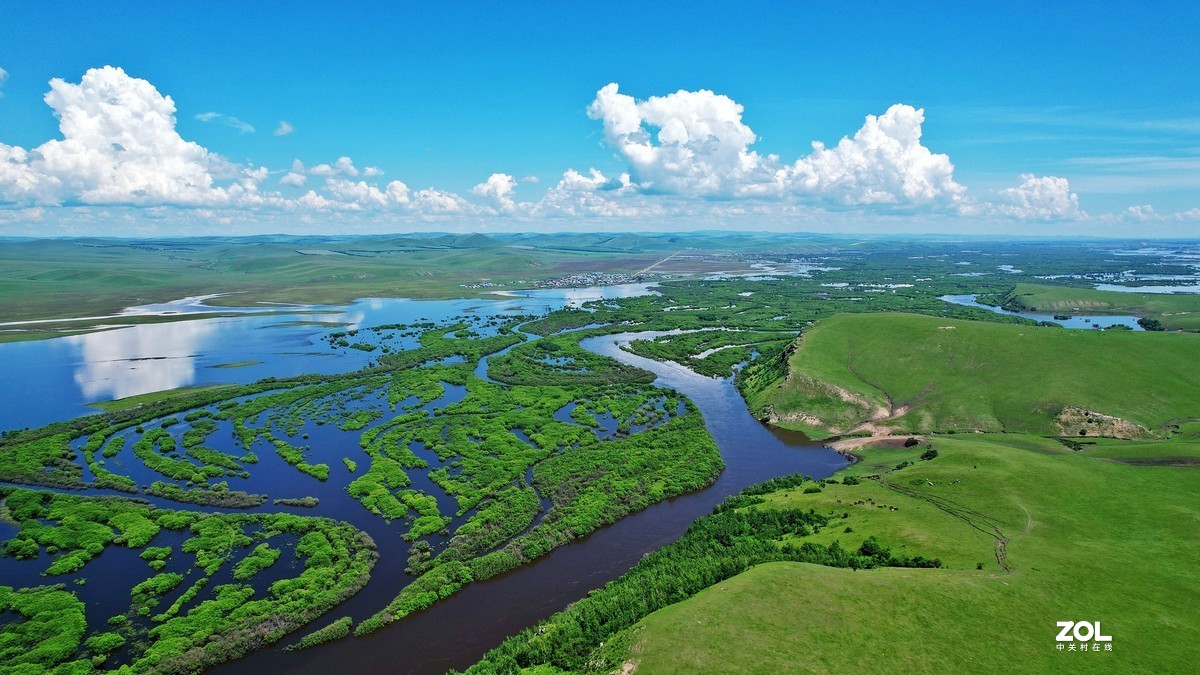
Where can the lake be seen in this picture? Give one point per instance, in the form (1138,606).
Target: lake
(61,376)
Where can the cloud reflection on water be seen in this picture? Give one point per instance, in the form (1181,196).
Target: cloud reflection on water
(139,359)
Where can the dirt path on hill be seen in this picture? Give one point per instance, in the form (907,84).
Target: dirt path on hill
(978,521)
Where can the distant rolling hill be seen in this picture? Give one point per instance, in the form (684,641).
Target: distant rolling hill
(899,373)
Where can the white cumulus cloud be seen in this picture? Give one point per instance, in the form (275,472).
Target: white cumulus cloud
(694,143)
(884,163)
(398,192)
(296,176)
(432,201)
(3,77)
(594,194)
(700,148)
(1040,198)
(1145,213)
(498,188)
(356,194)
(119,145)
(687,156)
(344,166)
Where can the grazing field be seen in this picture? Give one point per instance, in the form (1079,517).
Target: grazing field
(896,373)
(1175,311)
(66,280)
(152,397)
(1028,532)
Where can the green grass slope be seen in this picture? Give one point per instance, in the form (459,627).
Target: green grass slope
(1061,535)
(900,373)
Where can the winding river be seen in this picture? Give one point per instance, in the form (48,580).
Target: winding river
(455,632)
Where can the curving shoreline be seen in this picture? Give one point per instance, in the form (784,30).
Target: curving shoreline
(456,632)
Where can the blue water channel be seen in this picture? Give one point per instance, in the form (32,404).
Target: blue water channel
(67,373)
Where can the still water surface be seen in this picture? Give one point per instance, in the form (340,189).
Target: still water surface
(49,380)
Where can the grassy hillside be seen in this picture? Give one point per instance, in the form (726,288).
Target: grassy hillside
(899,373)
(1177,311)
(1083,540)
(1028,532)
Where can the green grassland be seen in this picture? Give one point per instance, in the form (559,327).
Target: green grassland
(1176,311)
(50,279)
(151,397)
(1027,533)
(72,278)
(1021,530)
(901,373)
(1082,540)
(560,441)
(66,278)
(237,364)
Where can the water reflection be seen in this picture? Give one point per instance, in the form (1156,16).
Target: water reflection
(59,377)
(576,297)
(139,359)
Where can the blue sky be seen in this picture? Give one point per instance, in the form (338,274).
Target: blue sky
(1050,117)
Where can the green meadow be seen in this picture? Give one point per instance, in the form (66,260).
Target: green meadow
(1010,475)
(151,397)
(1080,539)
(59,279)
(898,373)
(1176,311)
(952,550)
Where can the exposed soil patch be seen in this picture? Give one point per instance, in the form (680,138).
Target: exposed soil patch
(1075,421)
(845,445)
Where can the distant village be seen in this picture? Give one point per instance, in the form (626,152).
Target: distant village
(572,281)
